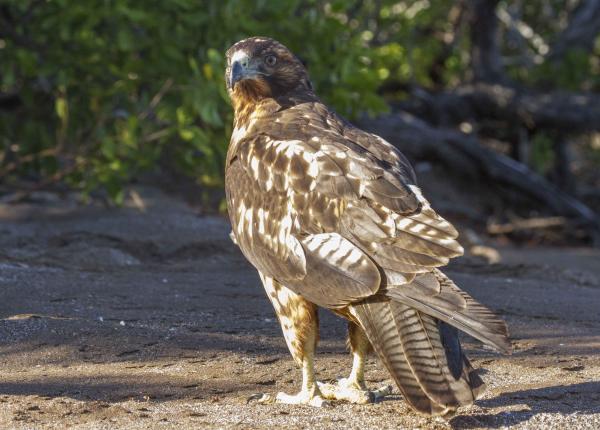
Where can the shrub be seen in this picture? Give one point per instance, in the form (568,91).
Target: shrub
(107,88)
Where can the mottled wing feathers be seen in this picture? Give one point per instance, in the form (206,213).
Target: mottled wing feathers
(336,178)
(307,162)
(343,273)
(284,166)
(402,245)
(383,150)
(262,227)
(280,219)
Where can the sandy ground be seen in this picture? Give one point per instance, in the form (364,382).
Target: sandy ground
(151,318)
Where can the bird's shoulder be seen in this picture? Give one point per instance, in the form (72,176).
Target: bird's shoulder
(307,146)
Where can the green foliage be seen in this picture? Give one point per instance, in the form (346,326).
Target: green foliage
(109,87)
(542,153)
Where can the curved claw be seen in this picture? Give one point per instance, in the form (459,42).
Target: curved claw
(319,402)
(262,398)
(381,392)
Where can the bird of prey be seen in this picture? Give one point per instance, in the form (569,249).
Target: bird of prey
(331,216)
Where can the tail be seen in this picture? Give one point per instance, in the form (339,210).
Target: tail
(435,294)
(422,354)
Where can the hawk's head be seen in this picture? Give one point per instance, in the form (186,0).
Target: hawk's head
(259,67)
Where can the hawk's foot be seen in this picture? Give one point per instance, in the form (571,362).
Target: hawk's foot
(352,391)
(310,398)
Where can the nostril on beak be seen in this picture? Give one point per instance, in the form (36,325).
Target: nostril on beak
(236,69)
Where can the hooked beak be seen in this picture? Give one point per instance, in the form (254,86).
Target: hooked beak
(241,69)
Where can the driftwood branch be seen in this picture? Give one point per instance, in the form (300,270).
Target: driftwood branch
(568,111)
(526,224)
(464,153)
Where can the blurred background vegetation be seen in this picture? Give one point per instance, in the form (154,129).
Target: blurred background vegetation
(94,94)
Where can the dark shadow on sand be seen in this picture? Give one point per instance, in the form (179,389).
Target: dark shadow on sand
(583,398)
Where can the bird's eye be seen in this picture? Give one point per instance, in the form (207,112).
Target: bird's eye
(270,60)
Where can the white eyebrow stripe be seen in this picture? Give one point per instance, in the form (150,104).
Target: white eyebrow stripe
(239,55)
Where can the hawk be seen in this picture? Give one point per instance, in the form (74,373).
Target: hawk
(331,216)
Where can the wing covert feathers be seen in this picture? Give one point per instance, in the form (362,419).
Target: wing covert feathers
(436,295)
(340,273)
(403,245)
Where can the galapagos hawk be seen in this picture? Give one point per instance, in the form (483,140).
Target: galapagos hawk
(331,216)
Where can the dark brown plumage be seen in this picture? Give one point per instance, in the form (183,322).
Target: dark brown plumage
(331,216)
